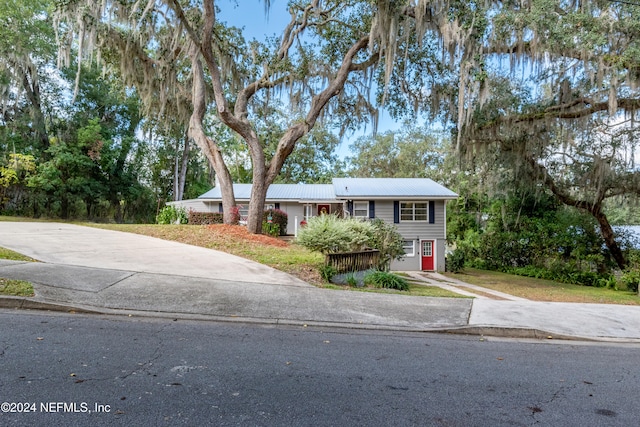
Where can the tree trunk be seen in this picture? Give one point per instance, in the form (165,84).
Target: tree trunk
(182,179)
(609,237)
(593,208)
(180,169)
(32,90)
(206,144)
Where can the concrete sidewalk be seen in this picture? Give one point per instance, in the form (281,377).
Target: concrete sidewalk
(87,269)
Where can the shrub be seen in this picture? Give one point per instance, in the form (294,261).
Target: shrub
(455,261)
(279,218)
(388,241)
(383,279)
(631,279)
(205,218)
(351,280)
(330,234)
(235,215)
(172,215)
(327,272)
(270,229)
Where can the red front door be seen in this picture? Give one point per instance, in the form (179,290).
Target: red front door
(428,255)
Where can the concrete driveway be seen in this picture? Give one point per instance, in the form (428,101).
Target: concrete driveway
(67,244)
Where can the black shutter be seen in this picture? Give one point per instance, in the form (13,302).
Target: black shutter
(372,209)
(220,208)
(396,212)
(432,212)
(277,205)
(350,207)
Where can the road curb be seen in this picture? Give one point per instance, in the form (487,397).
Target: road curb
(29,303)
(26,303)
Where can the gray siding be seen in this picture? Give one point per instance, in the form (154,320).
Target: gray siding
(417,231)
(412,230)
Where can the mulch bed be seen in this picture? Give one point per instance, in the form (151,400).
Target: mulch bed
(238,232)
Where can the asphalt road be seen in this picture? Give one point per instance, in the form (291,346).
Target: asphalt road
(79,370)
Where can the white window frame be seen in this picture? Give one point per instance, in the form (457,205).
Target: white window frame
(405,246)
(308,211)
(366,209)
(406,210)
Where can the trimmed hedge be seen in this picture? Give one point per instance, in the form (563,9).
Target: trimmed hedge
(277,217)
(205,218)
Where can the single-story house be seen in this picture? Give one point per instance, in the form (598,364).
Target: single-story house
(417,206)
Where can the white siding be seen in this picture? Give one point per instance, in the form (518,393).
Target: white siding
(195,205)
(292,209)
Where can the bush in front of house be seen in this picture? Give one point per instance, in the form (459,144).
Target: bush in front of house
(270,229)
(388,241)
(205,218)
(172,215)
(384,279)
(329,234)
(454,262)
(277,217)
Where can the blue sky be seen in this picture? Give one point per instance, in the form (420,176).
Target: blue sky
(250,15)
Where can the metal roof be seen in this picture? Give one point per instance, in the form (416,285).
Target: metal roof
(347,188)
(279,192)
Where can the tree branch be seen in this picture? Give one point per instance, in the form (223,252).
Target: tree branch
(318,103)
(182,17)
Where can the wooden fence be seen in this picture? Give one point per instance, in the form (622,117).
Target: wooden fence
(347,262)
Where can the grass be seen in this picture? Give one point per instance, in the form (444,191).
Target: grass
(544,290)
(14,256)
(18,288)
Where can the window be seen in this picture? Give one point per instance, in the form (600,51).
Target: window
(427,248)
(414,211)
(409,247)
(308,211)
(361,209)
(243,211)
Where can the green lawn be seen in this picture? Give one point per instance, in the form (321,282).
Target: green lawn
(545,290)
(18,288)
(12,287)
(14,256)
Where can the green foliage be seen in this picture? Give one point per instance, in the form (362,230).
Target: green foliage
(415,152)
(388,241)
(314,160)
(277,217)
(631,276)
(631,279)
(534,237)
(351,280)
(270,229)
(383,279)
(172,215)
(327,272)
(564,274)
(454,261)
(330,234)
